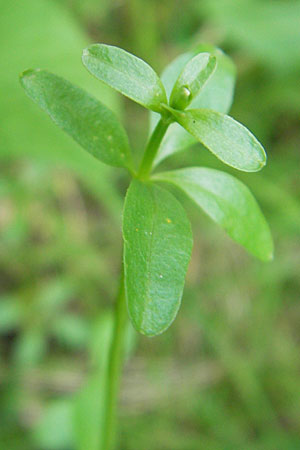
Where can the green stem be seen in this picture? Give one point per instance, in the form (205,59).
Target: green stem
(114,369)
(116,350)
(152,147)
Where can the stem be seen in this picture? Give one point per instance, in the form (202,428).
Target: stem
(116,350)
(152,147)
(114,369)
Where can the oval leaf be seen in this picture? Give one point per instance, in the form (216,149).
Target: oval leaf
(226,138)
(126,73)
(217,94)
(157,250)
(229,203)
(88,121)
(192,79)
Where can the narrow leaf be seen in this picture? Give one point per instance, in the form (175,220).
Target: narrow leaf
(126,73)
(230,141)
(157,250)
(192,79)
(80,115)
(229,203)
(216,94)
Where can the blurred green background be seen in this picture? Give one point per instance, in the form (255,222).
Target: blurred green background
(226,374)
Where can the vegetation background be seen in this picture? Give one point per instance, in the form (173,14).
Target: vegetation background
(226,374)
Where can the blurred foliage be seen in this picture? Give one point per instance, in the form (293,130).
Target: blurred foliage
(226,374)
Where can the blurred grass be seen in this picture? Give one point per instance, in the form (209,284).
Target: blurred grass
(226,374)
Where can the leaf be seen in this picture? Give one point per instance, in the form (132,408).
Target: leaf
(226,138)
(192,79)
(217,94)
(80,115)
(229,203)
(157,250)
(126,73)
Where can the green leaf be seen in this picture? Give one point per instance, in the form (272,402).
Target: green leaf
(192,79)
(126,73)
(80,115)
(226,138)
(157,250)
(217,94)
(229,203)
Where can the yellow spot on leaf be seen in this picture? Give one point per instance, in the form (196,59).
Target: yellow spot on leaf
(168,220)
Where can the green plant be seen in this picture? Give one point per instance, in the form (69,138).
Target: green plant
(157,233)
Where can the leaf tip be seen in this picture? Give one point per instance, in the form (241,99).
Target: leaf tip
(150,332)
(263,156)
(267,255)
(271,256)
(28,73)
(91,50)
(146,333)
(85,52)
(260,164)
(212,60)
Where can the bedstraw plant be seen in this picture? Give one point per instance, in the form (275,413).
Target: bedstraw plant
(188,104)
